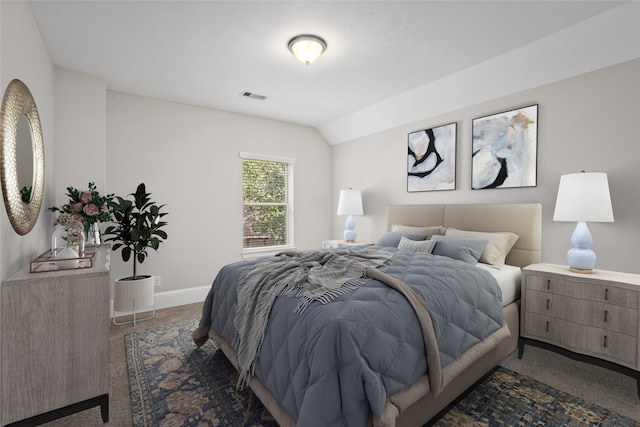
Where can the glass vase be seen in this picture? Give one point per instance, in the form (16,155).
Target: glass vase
(93,236)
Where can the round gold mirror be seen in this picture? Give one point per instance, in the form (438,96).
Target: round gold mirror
(21,157)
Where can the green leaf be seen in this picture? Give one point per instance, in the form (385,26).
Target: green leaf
(126,253)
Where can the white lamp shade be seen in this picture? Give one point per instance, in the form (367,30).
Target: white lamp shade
(583,197)
(350,202)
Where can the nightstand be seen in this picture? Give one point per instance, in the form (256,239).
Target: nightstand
(342,244)
(589,317)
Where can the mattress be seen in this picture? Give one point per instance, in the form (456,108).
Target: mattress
(508,279)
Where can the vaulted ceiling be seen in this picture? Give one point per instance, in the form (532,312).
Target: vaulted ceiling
(207,53)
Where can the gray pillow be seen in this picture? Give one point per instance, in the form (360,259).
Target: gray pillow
(416,245)
(392,238)
(460,248)
(498,246)
(409,229)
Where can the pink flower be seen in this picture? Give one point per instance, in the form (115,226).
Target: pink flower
(104,208)
(91,209)
(75,207)
(85,197)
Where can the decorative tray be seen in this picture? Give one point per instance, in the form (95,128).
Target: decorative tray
(47,261)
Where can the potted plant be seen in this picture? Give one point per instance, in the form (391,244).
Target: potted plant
(138,228)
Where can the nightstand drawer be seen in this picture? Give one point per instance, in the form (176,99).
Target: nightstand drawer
(605,344)
(584,291)
(601,315)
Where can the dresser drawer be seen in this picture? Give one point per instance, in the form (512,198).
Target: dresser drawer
(610,294)
(598,342)
(583,312)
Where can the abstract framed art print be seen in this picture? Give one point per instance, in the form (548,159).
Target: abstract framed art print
(431,159)
(504,149)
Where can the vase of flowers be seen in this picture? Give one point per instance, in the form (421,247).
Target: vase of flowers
(90,207)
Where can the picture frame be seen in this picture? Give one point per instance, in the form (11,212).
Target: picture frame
(505,149)
(431,159)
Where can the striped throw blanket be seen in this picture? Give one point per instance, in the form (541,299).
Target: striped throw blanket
(310,275)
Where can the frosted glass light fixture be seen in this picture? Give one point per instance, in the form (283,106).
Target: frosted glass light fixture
(583,197)
(307,48)
(350,203)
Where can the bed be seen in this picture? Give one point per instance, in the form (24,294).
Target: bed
(308,365)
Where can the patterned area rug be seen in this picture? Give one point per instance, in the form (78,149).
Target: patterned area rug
(507,398)
(173,384)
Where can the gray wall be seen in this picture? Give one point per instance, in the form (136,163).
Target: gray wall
(589,122)
(188,158)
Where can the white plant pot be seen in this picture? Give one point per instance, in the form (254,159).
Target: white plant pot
(133,296)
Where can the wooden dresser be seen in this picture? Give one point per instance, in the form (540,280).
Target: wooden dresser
(590,317)
(55,343)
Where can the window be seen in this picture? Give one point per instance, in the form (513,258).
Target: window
(267,201)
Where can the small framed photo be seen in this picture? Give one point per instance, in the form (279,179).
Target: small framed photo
(504,149)
(431,159)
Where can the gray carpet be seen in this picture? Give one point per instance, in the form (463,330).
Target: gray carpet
(609,389)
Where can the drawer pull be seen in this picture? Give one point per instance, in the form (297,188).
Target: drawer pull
(606,294)
(548,301)
(605,341)
(547,330)
(548,284)
(606,315)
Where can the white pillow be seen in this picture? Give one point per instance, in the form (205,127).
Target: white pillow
(498,246)
(416,245)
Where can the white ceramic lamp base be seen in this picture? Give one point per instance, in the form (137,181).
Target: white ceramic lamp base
(350,230)
(580,257)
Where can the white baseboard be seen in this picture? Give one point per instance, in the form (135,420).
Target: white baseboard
(181,297)
(176,298)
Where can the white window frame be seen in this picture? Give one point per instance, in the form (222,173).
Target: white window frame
(259,251)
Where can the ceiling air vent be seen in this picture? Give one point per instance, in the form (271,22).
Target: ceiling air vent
(254,96)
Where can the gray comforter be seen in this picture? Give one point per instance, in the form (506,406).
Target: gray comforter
(337,364)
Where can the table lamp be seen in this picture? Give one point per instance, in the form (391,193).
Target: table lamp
(350,203)
(583,197)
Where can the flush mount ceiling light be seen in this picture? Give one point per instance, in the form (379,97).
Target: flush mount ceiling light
(307,48)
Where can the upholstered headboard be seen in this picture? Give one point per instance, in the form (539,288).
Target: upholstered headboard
(524,219)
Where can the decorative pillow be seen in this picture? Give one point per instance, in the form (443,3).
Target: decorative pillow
(416,245)
(460,248)
(429,231)
(498,246)
(392,238)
